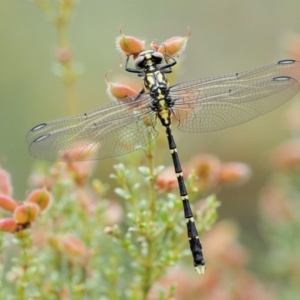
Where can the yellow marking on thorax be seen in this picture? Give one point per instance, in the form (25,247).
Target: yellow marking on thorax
(148,82)
(161,77)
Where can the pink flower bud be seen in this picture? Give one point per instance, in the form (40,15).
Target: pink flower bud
(173,46)
(287,156)
(80,170)
(73,246)
(119,91)
(26,213)
(63,54)
(5,182)
(108,230)
(8,225)
(129,45)
(7,203)
(166,180)
(41,197)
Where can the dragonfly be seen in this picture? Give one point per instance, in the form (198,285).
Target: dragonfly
(200,105)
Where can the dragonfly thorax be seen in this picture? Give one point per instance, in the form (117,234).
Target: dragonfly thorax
(155,83)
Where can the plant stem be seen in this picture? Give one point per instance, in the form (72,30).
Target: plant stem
(152,202)
(148,262)
(59,16)
(24,240)
(68,77)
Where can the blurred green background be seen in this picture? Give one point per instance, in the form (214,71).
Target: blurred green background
(227,36)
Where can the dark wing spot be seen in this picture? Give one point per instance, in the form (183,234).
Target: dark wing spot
(286,62)
(38,127)
(282,78)
(41,138)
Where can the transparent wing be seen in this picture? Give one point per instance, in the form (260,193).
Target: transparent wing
(223,101)
(114,129)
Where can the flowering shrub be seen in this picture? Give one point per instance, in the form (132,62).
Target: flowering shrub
(85,244)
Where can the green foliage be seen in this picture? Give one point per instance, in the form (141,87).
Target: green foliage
(280,226)
(76,253)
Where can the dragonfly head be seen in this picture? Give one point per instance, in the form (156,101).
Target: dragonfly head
(148,58)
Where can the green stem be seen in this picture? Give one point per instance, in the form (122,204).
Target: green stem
(148,262)
(69,77)
(24,240)
(152,202)
(62,14)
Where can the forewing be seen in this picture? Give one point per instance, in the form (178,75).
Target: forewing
(223,101)
(114,129)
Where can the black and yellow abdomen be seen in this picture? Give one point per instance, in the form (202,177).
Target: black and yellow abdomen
(164,112)
(156,84)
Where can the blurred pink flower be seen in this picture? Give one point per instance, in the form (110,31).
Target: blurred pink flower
(234,172)
(274,205)
(81,170)
(206,168)
(73,246)
(223,250)
(174,277)
(293,46)
(287,156)
(166,181)
(63,54)
(5,182)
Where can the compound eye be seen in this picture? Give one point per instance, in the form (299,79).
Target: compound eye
(157,57)
(139,62)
